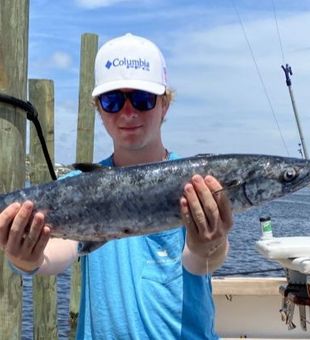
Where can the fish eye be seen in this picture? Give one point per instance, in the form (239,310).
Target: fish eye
(289,174)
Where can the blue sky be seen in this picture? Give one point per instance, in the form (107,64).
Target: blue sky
(221,104)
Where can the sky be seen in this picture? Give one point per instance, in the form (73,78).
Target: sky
(224,62)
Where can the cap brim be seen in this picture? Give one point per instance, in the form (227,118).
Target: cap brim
(130,84)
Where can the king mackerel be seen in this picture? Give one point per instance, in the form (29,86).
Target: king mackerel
(105,203)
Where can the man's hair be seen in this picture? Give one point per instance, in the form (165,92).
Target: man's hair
(170,94)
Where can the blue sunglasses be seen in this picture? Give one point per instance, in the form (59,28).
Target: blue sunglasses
(114,101)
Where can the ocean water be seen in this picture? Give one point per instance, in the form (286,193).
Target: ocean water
(290,216)
(63,292)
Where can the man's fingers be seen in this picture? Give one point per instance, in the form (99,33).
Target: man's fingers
(31,238)
(42,242)
(221,198)
(208,203)
(7,217)
(18,227)
(196,209)
(187,216)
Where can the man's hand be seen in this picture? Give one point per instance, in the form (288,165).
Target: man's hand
(207,215)
(23,236)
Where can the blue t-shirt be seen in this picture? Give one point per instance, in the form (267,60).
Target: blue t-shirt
(136,288)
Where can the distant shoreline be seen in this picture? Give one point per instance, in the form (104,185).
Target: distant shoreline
(60,169)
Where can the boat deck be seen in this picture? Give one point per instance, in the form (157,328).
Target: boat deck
(249,308)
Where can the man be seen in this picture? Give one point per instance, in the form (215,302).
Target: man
(147,287)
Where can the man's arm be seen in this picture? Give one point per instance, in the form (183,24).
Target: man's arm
(58,255)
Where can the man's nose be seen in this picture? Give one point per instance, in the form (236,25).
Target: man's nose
(128,109)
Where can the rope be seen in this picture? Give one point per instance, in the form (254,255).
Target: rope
(32,115)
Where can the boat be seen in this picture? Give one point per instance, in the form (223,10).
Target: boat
(268,307)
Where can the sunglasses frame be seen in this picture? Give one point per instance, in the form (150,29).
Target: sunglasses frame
(131,97)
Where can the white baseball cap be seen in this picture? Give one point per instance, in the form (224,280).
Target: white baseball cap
(131,62)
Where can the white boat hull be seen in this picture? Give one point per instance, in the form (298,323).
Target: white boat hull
(249,308)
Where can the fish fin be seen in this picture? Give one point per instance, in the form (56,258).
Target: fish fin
(87,247)
(232,184)
(229,186)
(205,155)
(87,167)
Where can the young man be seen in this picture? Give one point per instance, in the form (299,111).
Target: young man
(147,287)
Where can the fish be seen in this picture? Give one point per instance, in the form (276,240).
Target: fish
(102,203)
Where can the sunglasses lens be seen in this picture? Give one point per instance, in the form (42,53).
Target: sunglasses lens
(112,102)
(142,100)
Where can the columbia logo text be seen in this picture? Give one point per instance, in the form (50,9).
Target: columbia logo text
(129,63)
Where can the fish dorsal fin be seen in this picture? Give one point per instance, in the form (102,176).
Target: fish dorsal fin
(205,155)
(87,167)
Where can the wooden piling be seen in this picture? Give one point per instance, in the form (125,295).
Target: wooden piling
(84,145)
(14,19)
(86,116)
(41,95)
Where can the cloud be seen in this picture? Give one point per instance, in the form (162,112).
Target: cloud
(91,4)
(55,65)
(212,69)
(61,60)
(221,53)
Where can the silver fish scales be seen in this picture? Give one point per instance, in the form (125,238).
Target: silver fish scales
(109,203)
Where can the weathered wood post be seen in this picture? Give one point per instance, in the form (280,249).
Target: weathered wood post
(86,116)
(14,23)
(41,95)
(85,143)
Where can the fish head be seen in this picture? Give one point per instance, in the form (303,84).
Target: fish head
(255,179)
(274,177)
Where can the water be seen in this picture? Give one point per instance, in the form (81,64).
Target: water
(63,292)
(290,216)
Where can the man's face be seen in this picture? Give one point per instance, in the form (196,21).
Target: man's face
(131,128)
